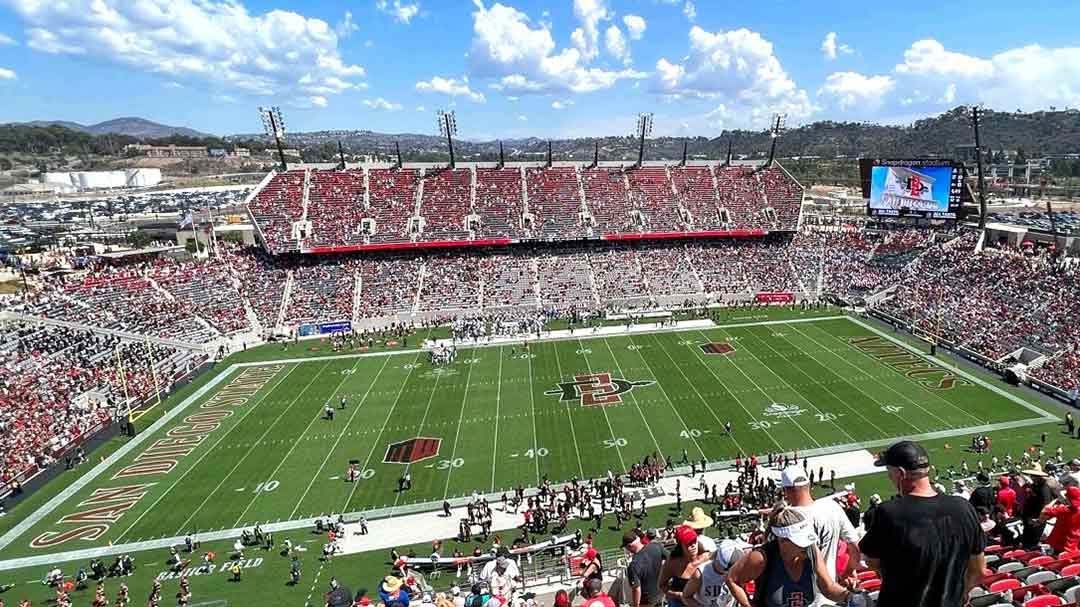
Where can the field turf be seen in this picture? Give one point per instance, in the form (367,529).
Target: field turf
(502,416)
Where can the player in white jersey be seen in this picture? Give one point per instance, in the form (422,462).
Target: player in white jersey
(709,587)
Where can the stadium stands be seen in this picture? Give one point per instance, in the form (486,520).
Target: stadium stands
(651,193)
(554,202)
(62,384)
(517,203)
(499,202)
(392,199)
(608,199)
(445,203)
(336,206)
(696,191)
(277,206)
(321,291)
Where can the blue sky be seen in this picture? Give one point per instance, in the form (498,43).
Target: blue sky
(526,68)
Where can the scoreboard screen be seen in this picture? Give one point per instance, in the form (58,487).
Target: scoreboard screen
(931,188)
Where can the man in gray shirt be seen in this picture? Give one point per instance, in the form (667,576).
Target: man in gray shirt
(643,572)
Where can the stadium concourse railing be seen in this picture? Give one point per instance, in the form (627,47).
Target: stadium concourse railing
(991,364)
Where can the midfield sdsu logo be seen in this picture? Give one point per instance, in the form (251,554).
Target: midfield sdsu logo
(596,389)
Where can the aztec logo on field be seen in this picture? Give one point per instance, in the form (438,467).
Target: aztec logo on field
(783,410)
(596,389)
(717,348)
(412,450)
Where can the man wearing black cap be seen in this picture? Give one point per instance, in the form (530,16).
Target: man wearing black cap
(927,547)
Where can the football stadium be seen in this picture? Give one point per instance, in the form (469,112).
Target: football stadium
(542,382)
(493,372)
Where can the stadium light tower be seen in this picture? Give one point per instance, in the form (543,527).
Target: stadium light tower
(644,129)
(274,125)
(976,111)
(448,128)
(779,124)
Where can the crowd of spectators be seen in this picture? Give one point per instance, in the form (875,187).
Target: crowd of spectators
(523,203)
(993,301)
(60,385)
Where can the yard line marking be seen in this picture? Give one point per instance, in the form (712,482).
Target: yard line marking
(498,400)
(792,388)
(618,449)
(318,414)
(389,415)
(648,426)
(693,386)
(532,406)
(879,384)
(338,441)
(827,388)
(91,475)
(764,393)
(284,376)
(1016,399)
(457,433)
(573,435)
(670,403)
(270,427)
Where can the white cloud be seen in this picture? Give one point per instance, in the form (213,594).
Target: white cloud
(346,26)
(317,101)
(6,40)
(6,74)
(739,70)
(586,38)
(172,85)
(929,58)
(523,118)
(635,26)
(401,12)
(452,87)
(561,105)
(850,89)
(1030,77)
(217,42)
(615,43)
(382,104)
(689,10)
(421,108)
(830,47)
(522,56)
(229,99)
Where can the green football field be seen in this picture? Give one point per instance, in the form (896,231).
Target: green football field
(253,445)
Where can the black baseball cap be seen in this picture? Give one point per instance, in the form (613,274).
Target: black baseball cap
(629,538)
(905,454)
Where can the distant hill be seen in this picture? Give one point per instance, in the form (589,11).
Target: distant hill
(131,126)
(1036,133)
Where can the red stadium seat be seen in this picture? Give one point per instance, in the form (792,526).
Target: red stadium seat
(872,585)
(866,575)
(1073,569)
(1046,600)
(1005,584)
(1041,560)
(987,580)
